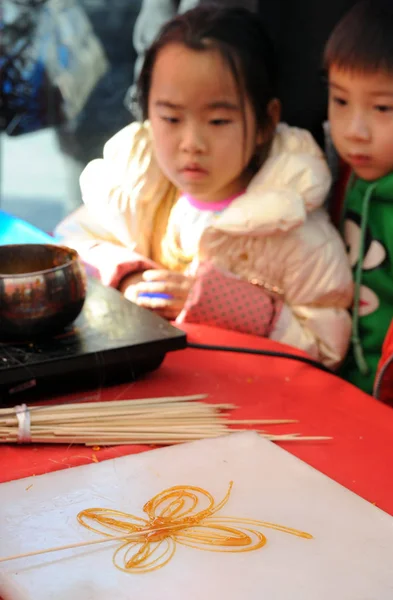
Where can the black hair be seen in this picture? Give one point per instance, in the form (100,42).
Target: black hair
(363,39)
(240,38)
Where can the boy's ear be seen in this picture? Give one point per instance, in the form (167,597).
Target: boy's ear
(274,116)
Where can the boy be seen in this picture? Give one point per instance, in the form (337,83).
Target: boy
(359,63)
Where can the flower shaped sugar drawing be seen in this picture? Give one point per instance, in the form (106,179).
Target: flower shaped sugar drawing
(184,515)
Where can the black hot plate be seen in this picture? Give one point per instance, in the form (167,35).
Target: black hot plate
(112,341)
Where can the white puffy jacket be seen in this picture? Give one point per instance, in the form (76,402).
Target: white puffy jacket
(276,233)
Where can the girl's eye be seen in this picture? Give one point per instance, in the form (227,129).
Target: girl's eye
(383,108)
(171,120)
(339,101)
(220,122)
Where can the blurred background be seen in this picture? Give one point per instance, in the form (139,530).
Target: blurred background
(39,171)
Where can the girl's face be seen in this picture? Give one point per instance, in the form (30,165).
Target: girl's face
(197,123)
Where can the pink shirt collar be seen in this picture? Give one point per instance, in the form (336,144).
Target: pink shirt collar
(213,206)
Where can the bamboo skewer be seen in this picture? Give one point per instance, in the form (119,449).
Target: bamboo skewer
(112,538)
(109,404)
(158,421)
(169,441)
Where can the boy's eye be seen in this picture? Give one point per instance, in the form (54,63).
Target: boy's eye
(220,121)
(383,108)
(339,101)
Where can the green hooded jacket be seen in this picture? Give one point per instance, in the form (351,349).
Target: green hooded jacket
(367,222)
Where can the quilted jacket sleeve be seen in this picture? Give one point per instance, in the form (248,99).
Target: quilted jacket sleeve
(315,313)
(112,230)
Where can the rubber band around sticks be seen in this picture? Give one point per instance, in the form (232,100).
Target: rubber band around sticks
(23,416)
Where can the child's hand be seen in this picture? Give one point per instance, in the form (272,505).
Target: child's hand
(163,292)
(127,285)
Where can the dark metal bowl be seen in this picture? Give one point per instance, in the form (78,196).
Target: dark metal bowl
(42,289)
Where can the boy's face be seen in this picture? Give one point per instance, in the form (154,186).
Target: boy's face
(361,120)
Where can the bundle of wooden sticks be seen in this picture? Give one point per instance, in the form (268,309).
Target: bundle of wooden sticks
(158,421)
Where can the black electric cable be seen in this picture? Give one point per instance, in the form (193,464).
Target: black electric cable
(240,350)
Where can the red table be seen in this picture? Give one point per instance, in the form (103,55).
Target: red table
(360,455)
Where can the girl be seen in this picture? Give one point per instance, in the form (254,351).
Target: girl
(210,210)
